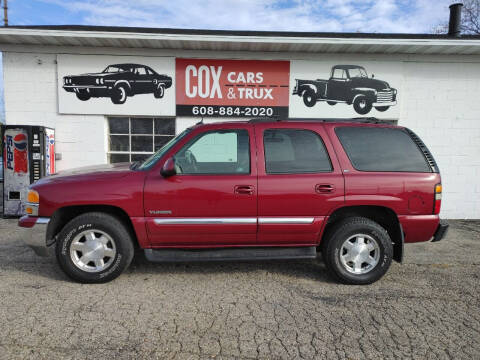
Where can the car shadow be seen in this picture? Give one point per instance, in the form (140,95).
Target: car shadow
(26,261)
(313,269)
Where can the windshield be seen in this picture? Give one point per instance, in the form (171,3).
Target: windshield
(150,161)
(113,69)
(357,72)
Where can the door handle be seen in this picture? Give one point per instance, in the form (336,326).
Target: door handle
(244,189)
(324,188)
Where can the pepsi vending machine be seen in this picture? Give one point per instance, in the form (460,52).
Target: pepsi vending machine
(28,155)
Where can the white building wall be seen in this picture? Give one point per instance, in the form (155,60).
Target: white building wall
(30,85)
(439,101)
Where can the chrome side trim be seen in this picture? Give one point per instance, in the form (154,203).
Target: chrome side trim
(43,220)
(204,221)
(285,220)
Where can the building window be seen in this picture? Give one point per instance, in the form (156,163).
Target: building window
(135,139)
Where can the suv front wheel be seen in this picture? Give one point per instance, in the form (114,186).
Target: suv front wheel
(94,248)
(357,251)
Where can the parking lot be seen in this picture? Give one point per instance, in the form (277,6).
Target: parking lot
(427,308)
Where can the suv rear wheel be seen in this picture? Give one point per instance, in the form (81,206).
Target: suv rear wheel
(357,251)
(94,248)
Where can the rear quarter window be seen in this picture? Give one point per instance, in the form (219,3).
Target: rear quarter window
(381,149)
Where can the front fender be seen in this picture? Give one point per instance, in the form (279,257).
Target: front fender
(368,92)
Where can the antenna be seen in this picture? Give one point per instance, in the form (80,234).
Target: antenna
(5,13)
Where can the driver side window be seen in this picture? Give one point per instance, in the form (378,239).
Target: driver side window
(339,74)
(216,152)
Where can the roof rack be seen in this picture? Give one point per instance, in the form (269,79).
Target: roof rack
(367,120)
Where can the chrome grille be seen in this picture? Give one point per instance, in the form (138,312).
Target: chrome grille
(385,96)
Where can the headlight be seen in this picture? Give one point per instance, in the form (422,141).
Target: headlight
(97,81)
(33,200)
(101,80)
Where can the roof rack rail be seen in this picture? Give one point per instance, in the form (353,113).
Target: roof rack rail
(368,120)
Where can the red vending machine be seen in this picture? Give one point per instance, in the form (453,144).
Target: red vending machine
(28,155)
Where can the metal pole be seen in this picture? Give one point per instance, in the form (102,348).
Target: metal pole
(5,13)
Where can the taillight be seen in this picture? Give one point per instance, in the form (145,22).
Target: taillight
(438,199)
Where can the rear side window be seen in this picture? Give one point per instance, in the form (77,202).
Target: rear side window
(381,149)
(289,151)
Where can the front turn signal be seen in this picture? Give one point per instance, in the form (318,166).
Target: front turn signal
(33,197)
(33,200)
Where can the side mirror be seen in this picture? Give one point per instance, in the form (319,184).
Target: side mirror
(168,168)
(373,76)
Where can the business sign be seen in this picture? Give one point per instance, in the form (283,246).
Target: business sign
(116,85)
(232,88)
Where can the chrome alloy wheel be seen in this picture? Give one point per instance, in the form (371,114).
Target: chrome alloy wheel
(92,251)
(359,254)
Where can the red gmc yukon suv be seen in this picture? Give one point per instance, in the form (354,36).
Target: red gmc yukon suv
(354,190)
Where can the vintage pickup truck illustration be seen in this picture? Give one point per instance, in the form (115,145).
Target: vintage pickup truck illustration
(118,82)
(348,84)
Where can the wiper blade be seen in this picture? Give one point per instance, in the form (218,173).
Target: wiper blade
(134,165)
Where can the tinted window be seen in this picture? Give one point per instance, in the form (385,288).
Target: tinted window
(216,152)
(294,151)
(381,149)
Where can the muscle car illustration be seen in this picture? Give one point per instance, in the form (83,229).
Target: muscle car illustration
(118,82)
(348,84)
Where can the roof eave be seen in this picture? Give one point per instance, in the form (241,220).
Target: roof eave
(237,42)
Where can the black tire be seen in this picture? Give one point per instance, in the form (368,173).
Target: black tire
(337,236)
(99,223)
(362,104)
(83,95)
(331,103)
(119,94)
(159,92)
(309,98)
(382,108)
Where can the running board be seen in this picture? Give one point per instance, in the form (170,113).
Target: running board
(225,254)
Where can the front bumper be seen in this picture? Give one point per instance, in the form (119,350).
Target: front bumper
(390,103)
(72,88)
(441,231)
(34,233)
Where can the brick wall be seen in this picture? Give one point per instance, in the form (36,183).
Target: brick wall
(441,103)
(30,86)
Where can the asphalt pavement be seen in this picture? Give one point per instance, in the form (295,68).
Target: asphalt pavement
(426,308)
